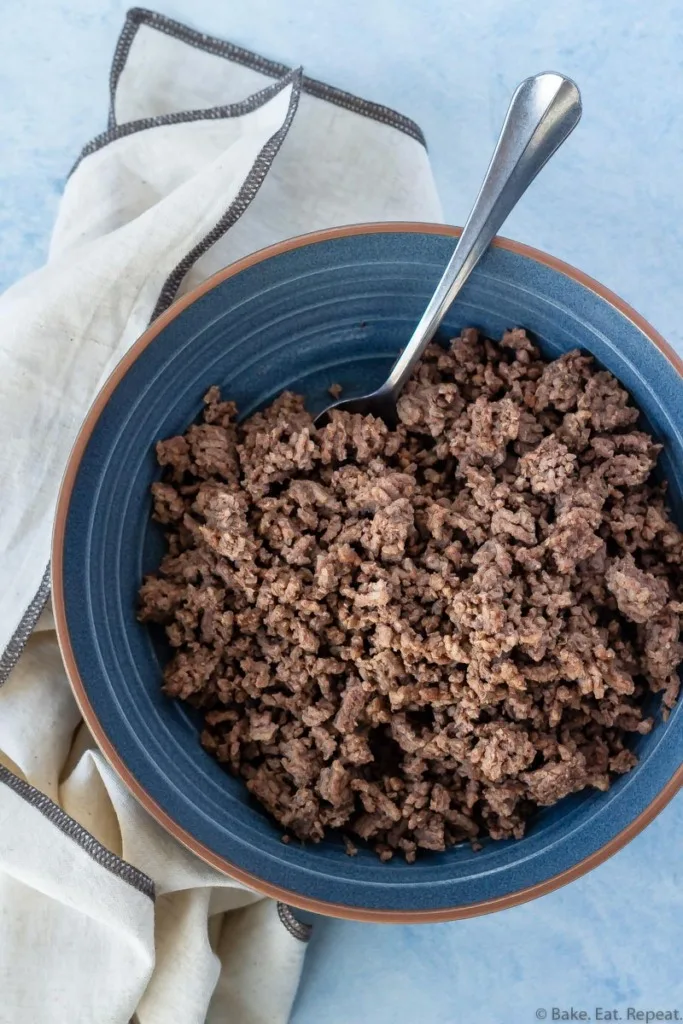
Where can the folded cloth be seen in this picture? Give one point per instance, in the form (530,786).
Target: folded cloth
(211,152)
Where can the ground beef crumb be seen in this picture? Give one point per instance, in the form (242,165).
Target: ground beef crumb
(421,635)
(640,595)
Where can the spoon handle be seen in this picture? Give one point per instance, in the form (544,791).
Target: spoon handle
(542,113)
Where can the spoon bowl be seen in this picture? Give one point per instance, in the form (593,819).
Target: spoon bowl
(333,307)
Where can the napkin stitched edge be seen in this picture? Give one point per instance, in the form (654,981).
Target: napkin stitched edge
(122,869)
(252,183)
(138,16)
(245,106)
(71,828)
(242,200)
(43,804)
(10,656)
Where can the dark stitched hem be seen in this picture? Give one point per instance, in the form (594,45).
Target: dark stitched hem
(244,197)
(296,928)
(246,106)
(141,16)
(12,652)
(11,655)
(50,810)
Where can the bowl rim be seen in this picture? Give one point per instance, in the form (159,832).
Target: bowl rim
(252,881)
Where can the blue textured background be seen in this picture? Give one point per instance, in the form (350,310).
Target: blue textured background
(610,203)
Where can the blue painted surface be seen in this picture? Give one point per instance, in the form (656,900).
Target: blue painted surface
(610,203)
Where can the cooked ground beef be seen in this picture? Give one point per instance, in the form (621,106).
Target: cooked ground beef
(421,635)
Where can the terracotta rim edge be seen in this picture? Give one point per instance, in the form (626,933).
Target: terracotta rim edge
(107,748)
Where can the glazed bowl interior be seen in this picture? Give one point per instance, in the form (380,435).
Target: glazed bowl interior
(332,309)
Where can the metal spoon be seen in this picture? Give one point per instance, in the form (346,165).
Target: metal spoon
(542,113)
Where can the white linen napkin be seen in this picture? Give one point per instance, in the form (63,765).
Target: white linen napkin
(211,152)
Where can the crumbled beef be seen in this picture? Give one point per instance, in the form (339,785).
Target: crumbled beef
(385,536)
(169,505)
(212,451)
(572,538)
(607,402)
(502,750)
(492,425)
(351,705)
(519,525)
(549,467)
(561,383)
(555,780)
(420,635)
(639,595)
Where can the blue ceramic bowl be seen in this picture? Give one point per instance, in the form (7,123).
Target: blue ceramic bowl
(332,307)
